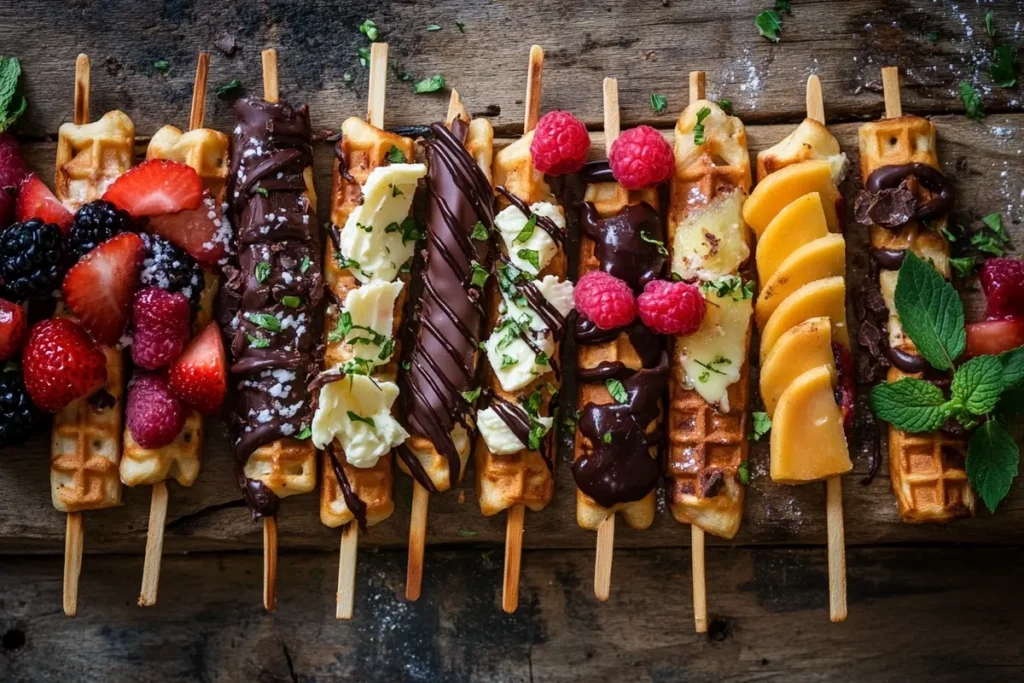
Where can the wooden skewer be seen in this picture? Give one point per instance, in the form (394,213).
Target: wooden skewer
(348,555)
(517,513)
(698,82)
(270,94)
(74,539)
(158,502)
(833,485)
(417,541)
(891,88)
(606,532)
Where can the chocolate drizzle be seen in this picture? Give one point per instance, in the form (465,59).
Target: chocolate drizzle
(543,222)
(518,421)
(357,506)
(272,364)
(627,244)
(442,364)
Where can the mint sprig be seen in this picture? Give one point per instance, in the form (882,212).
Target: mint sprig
(12,104)
(931,312)
(911,405)
(992,462)
(978,384)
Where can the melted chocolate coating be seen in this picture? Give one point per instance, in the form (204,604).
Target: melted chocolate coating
(892,177)
(620,244)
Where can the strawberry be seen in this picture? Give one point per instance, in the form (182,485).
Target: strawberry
(994,336)
(199,376)
(36,201)
(202,232)
(99,288)
(12,328)
(156,187)
(12,172)
(61,364)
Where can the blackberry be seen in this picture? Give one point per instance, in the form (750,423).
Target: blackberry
(95,223)
(171,268)
(18,417)
(32,260)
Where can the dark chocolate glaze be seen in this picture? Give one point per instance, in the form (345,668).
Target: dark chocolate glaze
(618,467)
(275,224)
(543,222)
(906,361)
(357,506)
(620,244)
(890,177)
(599,171)
(647,344)
(890,259)
(450,320)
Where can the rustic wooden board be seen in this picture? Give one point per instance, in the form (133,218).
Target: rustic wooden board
(650,46)
(915,615)
(210,515)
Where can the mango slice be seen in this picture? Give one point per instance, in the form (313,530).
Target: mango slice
(799,223)
(821,298)
(782,188)
(822,258)
(807,442)
(801,348)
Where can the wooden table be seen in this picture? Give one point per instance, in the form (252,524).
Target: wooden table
(926,603)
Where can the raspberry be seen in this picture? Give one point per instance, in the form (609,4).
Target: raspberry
(153,414)
(671,307)
(560,143)
(1003,282)
(641,158)
(606,300)
(162,322)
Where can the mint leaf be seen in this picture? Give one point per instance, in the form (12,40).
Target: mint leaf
(744,472)
(994,222)
(617,391)
(911,405)
(992,462)
(1013,366)
(760,425)
(396,156)
(964,266)
(726,105)
(471,396)
(163,66)
(306,263)
(988,25)
(479,276)
(262,271)
(232,88)
(978,383)
(531,256)
(364,56)
(291,301)
(480,232)
(369,29)
(12,105)
(527,232)
(433,27)
(931,312)
(972,102)
(356,417)
(264,320)
(658,103)
(1003,68)
(432,84)
(698,129)
(769,23)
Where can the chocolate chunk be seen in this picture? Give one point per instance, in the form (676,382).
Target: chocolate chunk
(102,400)
(711,482)
(226,44)
(886,208)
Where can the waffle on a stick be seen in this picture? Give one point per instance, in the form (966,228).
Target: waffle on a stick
(362,149)
(927,470)
(91,156)
(708,439)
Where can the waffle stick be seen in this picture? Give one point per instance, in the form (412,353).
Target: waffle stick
(927,470)
(525,478)
(86,440)
(609,199)
(704,442)
(365,147)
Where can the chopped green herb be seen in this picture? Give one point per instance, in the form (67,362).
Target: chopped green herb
(1003,68)
(760,425)
(507,360)
(698,129)
(432,84)
(264,320)
(459,25)
(395,191)
(732,285)
(964,266)
(306,263)
(396,156)
(356,417)
(607,437)
(471,396)
(291,301)
(406,365)
(433,27)
(341,328)
(479,276)
(527,232)
(262,271)
(262,191)
(659,103)
(386,349)
(972,101)
(257,342)
(932,37)
(537,432)
(369,29)
(726,105)
(617,391)
(480,232)
(542,359)
(988,25)
(676,277)
(305,433)
(744,472)
(162,65)
(657,243)
(344,262)
(232,88)
(769,23)
(783,6)
(364,56)
(531,256)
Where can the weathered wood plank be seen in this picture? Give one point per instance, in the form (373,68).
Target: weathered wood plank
(651,46)
(940,615)
(209,515)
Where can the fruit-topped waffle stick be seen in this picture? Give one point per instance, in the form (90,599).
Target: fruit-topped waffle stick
(202,364)
(899,163)
(372,239)
(268,305)
(709,402)
(622,363)
(439,381)
(527,308)
(806,367)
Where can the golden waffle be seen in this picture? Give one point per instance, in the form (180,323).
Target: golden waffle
(86,447)
(609,199)
(364,148)
(286,466)
(928,475)
(91,156)
(206,151)
(706,445)
(518,478)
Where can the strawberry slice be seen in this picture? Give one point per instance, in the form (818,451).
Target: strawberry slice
(100,287)
(12,328)
(202,232)
(156,187)
(36,201)
(61,364)
(992,337)
(199,376)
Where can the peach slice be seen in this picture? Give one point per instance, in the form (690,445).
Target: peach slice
(807,442)
(799,223)
(822,258)
(821,298)
(785,186)
(801,348)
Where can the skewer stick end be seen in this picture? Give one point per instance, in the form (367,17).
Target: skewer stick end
(513,558)
(73,543)
(836,549)
(270,563)
(417,541)
(603,562)
(271,92)
(154,545)
(611,113)
(891,90)
(700,592)
(534,78)
(698,83)
(82,87)
(347,570)
(815,100)
(378,84)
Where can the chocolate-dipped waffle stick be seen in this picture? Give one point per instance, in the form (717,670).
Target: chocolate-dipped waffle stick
(86,438)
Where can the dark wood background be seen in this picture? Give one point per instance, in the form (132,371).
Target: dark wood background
(926,603)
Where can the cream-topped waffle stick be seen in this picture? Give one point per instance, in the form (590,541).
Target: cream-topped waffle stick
(439,378)
(206,151)
(709,399)
(616,464)
(365,270)
(86,440)
(796,212)
(269,305)
(527,309)
(927,470)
